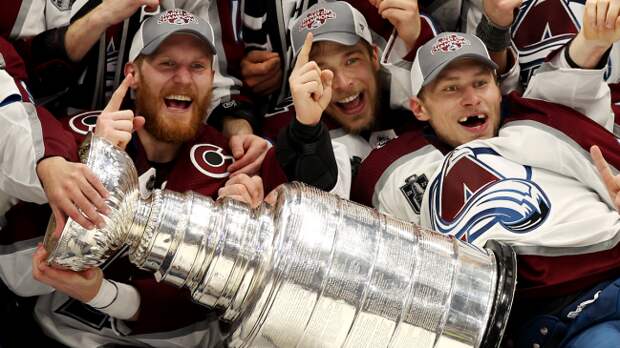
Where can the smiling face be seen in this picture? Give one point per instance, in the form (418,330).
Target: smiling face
(462,104)
(355,86)
(173,88)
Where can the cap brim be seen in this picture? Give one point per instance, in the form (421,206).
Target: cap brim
(343,38)
(433,75)
(154,44)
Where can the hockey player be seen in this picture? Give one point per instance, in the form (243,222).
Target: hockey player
(525,178)
(171,74)
(358,110)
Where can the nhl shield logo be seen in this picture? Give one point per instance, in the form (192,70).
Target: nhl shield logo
(178,17)
(449,44)
(316,19)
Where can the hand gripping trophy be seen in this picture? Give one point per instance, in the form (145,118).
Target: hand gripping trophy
(313,270)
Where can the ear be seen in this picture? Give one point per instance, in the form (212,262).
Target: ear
(419,110)
(130,68)
(375,57)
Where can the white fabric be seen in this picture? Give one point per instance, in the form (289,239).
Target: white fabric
(20,134)
(117,300)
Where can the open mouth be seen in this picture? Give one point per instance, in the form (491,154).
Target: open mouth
(179,102)
(473,121)
(352,104)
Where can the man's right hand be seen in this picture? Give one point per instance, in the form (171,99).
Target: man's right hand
(311,87)
(114,11)
(116,125)
(73,190)
(262,72)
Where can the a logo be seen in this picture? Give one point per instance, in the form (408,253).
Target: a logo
(450,43)
(176,16)
(84,122)
(210,160)
(63,5)
(413,190)
(229,104)
(316,18)
(478,190)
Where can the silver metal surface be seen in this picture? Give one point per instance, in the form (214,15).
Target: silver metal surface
(314,270)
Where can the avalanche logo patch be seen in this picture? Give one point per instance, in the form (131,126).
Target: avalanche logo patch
(450,43)
(316,19)
(176,16)
(84,122)
(210,160)
(478,190)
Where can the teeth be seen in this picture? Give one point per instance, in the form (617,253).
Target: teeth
(349,99)
(464,119)
(179,97)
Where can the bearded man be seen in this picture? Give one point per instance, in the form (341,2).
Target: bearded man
(170,72)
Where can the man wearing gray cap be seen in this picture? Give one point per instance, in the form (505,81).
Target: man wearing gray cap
(520,172)
(353,102)
(170,72)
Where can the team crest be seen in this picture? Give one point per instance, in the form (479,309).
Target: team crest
(472,196)
(316,19)
(84,122)
(62,5)
(210,160)
(450,43)
(176,16)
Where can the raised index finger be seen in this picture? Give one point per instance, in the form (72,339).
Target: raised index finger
(117,97)
(304,54)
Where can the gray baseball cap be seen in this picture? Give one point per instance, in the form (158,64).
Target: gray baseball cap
(335,21)
(157,28)
(438,53)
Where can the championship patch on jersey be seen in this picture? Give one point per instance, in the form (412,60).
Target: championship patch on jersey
(211,160)
(62,5)
(449,44)
(478,190)
(316,19)
(176,16)
(84,122)
(413,190)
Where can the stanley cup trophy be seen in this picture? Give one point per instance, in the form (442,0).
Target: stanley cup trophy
(313,270)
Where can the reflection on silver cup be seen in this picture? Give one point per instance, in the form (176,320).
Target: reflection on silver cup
(313,270)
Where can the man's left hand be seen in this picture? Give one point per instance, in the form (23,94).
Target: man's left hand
(244,189)
(249,151)
(82,286)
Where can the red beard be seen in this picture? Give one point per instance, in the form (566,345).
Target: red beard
(162,127)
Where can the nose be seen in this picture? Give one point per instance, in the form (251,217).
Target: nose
(182,74)
(470,97)
(341,81)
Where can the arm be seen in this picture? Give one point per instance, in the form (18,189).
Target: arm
(84,33)
(494,30)
(583,59)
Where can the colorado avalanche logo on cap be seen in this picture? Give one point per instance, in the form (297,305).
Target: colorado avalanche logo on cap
(210,160)
(450,43)
(84,122)
(316,19)
(178,17)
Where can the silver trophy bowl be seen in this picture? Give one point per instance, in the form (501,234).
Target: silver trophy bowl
(313,270)
(77,248)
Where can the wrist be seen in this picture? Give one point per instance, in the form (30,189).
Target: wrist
(495,38)
(586,53)
(118,300)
